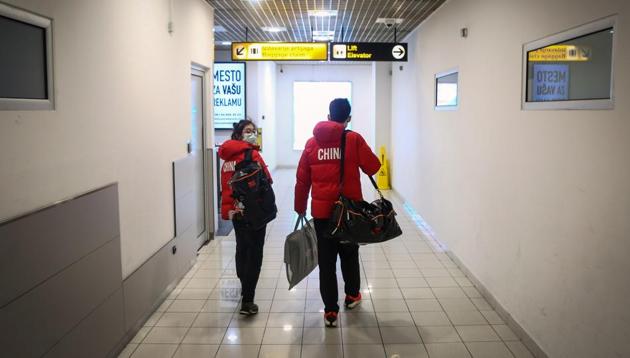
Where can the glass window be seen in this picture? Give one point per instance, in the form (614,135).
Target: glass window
(446,90)
(310,105)
(25,63)
(572,70)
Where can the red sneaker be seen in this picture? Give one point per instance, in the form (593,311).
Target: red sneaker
(352,301)
(330,319)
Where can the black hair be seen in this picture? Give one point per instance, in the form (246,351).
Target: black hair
(237,133)
(339,110)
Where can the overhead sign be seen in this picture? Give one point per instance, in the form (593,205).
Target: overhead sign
(279,51)
(551,82)
(558,53)
(229,93)
(368,51)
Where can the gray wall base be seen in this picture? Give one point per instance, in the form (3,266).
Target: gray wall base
(520,332)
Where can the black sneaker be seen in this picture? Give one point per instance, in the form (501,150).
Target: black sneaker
(249,308)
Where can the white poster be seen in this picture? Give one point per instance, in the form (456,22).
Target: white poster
(229,93)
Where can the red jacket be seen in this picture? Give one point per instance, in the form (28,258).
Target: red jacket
(233,152)
(319,167)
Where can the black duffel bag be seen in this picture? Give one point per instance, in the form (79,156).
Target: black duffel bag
(361,222)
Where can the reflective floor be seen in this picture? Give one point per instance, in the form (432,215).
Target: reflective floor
(417,303)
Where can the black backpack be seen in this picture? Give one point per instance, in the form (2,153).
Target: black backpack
(251,187)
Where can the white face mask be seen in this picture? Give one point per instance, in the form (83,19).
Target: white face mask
(250,138)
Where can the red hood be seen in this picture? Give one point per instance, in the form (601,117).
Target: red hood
(232,148)
(328,133)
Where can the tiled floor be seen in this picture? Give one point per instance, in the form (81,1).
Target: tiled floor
(417,303)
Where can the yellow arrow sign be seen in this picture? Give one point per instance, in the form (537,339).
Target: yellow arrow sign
(560,53)
(279,51)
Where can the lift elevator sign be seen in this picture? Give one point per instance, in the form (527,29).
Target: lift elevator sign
(551,82)
(368,51)
(228,93)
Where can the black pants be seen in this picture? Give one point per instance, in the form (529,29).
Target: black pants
(328,249)
(249,257)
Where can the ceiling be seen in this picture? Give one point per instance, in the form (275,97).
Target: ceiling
(355,19)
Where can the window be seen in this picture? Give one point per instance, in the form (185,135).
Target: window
(310,105)
(446,86)
(26,61)
(571,70)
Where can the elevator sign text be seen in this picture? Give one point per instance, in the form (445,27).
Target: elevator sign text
(551,82)
(228,93)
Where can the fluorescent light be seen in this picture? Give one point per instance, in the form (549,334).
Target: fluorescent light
(227,43)
(323,36)
(322,13)
(219,28)
(389,21)
(273,29)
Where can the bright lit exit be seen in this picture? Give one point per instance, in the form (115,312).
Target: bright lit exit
(310,105)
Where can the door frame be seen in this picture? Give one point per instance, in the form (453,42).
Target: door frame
(208,193)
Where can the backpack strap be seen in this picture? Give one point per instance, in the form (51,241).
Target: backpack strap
(248,155)
(342,149)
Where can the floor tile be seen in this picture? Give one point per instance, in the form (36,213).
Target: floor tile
(406,350)
(483,333)
(400,335)
(505,332)
(361,335)
(519,350)
(420,305)
(173,335)
(186,306)
(492,317)
(322,335)
(363,351)
(194,294)
(395,319)
(322,351)
(142,333)
(412,282)
(174,319)
(164,306)
(447,350)
(155,351)
(155,317)
(294,294)
(238,351)
(280,306)
(437,318)
(220,306)
(457,304)
(126,353)
(390,305)
(285,336)
(280,351)
(417,293)
(489,350)
(212,319)
(438,334)
(204,335)
(481,304)
(286,319)
(358,319)
(449,292)
(244,336)
(196,351)
(385,293)
(466,318)
(441,282)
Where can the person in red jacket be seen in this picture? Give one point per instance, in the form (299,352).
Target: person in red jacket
(249,243)
(319,169)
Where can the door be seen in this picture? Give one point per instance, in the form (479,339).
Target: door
(196,149)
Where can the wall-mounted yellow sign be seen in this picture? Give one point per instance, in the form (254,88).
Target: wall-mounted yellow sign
(279,51)
(556,53)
